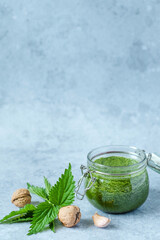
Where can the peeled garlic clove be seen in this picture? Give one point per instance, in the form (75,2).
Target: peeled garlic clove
(100,221)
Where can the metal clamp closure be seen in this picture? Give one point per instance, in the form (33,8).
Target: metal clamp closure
(154,162)
(88,173)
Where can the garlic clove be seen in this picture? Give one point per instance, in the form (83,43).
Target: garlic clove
(100,221)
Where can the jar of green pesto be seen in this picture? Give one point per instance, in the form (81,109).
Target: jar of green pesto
(116,178)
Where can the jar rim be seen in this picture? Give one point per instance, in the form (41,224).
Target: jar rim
(118,149)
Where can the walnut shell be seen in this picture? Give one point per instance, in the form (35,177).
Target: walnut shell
(21,197)
(69,215)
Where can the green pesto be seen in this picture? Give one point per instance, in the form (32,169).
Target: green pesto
(118,194)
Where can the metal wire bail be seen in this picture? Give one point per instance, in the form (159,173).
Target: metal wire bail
(79,195)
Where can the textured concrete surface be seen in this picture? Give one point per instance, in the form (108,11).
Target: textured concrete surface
(75,75)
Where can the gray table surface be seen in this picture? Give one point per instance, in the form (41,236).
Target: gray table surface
(75,75)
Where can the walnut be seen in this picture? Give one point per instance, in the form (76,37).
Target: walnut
(21,197)
(69,216)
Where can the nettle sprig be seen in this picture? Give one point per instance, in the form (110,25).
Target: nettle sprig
(60,195)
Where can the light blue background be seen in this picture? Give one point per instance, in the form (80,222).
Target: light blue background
(75,75)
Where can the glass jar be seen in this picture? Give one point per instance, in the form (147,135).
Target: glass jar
(117,188)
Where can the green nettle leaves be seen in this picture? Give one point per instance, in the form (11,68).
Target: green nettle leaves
(41,192)
(47,185)
(57,196)
(43,215)
(23,215)
(62,193)
(52,227)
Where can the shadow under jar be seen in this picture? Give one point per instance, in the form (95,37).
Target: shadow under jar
(116,179)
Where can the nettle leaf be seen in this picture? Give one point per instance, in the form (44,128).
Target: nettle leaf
(62,193)
(25,217)
(41,192)
(52,226)
(43,215)
(15,216)
(47,185)
(19,219)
